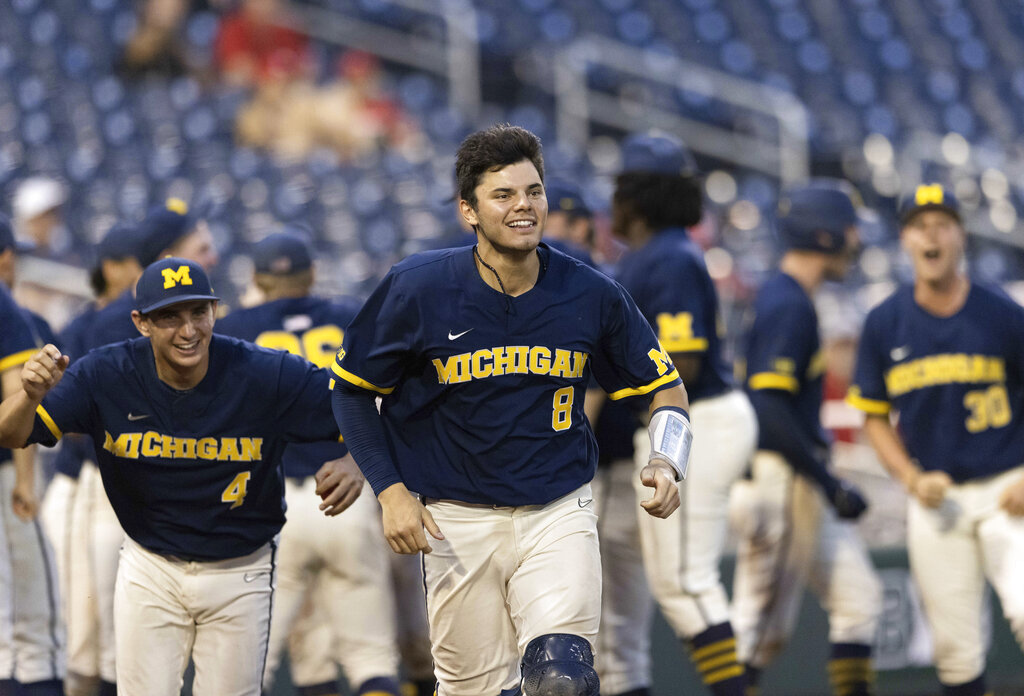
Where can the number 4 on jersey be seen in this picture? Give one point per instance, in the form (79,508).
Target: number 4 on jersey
(235,492)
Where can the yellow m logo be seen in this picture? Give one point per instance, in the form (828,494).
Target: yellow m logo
(928,194)
(176,277)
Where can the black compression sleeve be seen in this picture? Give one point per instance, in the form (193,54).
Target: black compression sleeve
(782,432)
(361,427)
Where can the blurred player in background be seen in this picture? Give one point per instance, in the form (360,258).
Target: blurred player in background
(658,195)
(31,635)
(789,537)
(481,356)
(189,428)
(570,226)
(947,355)
(342,561)
(67,511)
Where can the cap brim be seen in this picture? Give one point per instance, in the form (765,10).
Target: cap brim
(910,214)
(167,302)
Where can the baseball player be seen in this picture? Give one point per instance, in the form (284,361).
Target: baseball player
(481,356)
(189,428)
(67,509)
(947,355)
(31,640)
(344,557)
(789,536)
(657,196)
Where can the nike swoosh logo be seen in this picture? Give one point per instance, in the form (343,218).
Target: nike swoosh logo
(249,577)
(452,337)
(583,502)
(133,417)
(900,353)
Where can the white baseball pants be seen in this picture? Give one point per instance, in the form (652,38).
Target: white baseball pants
(504,576)
(953,549)
(218,612)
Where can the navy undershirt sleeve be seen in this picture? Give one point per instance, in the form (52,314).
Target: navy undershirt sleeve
(782,432)
(361,427)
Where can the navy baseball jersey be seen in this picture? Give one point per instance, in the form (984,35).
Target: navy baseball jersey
(670,283)
(75,450)
(312,327)
(482,392)
(957,382)
(17,340)
(112,324)
(194,474)
(783,352)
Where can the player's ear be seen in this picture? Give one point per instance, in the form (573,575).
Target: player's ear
(141,322)
(468,213)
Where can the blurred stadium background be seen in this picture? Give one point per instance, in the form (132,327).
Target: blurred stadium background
(766,92)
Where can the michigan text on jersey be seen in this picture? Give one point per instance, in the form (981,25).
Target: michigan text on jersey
(152,444)
(947,368)
(510,360)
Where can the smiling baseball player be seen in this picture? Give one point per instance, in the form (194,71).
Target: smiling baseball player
(947,355)
(188,428)
(481,356)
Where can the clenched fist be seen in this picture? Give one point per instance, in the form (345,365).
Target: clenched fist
(42,372)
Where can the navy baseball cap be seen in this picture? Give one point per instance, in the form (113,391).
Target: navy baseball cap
(7,238)
(928,197)
(815,216)
(163,225)
(170,281)
(657,154)
(121,241)
(564,196)
(282,253)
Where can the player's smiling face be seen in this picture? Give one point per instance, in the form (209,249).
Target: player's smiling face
(180,335)
(511,208)
(934,240)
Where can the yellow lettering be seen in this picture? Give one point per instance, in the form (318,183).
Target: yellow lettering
(453,370)
(150,444)
(166,446)
(321,343)
(252,449)
(207,448)
(946,368)
(185,448)
(520,363)
(562,366)
(279,340)
(540,360)
(675,330)
(480,368)
(502,361)
(229,449)
(579,359)
(172,277)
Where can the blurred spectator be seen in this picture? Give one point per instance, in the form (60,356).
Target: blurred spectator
(156,47)
(356,115)
(255,44)
(37,215)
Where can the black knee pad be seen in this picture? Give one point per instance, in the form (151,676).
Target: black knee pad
(559,664)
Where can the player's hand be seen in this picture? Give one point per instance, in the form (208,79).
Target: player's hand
(42,372)
(930,487)
(24,501)
(338,483)
(404,519)
(1012,498)
(847,500)
(661,477)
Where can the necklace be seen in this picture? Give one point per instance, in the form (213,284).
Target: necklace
(492,269)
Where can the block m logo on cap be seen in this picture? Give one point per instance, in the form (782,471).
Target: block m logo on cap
(173,277)
(929,194)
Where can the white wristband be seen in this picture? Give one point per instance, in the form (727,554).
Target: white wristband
(671,438)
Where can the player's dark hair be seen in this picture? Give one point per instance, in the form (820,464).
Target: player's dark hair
(97,281)
(491,149)
(661,200)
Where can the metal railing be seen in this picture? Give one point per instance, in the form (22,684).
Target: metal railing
(578,106)
(456,58)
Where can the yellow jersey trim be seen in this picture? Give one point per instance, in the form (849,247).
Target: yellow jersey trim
(358,381)
(630,391)
(872,406)
(16,359)
(686,345)
(772,380)
(48,422)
